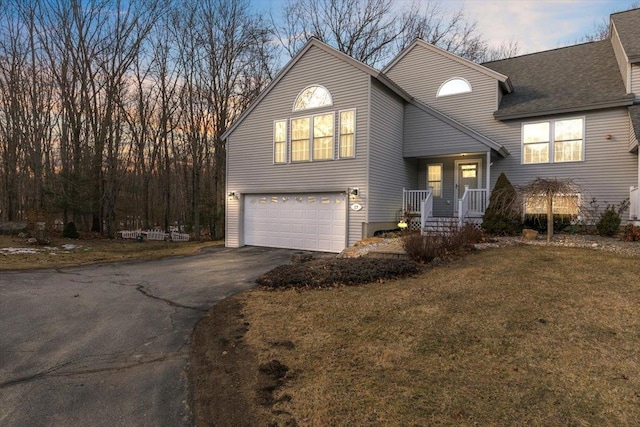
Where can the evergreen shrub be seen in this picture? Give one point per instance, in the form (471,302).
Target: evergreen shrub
(503,215)
(69,231)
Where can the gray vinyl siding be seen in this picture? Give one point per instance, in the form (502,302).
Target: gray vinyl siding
(635,81)
(621,58)
(389,172)
(250,145)
(421,72)
(608,169)
(426,135)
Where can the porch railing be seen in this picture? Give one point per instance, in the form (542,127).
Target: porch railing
(412,200)
(426,210)
(634,203)
(473,203)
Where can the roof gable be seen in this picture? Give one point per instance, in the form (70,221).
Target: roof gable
(315,43)
(504,80)
(627,25)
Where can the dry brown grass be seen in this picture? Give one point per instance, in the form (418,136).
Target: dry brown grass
(511,336)
(91,251)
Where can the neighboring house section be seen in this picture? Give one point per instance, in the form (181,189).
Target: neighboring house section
(333,151)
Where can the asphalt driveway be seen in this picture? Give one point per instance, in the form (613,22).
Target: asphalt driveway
(108,345)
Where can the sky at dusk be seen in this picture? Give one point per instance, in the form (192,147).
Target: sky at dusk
(535,24)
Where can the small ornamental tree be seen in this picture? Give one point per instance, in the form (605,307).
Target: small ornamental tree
(548,189)
(503,215)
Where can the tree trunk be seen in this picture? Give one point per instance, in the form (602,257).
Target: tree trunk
(549,217)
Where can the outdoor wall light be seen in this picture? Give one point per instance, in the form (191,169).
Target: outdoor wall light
(232,195)
(354,192)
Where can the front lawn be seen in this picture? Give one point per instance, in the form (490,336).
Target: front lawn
(520,335)
(17,254)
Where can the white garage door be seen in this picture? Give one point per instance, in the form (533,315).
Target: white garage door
(315,222)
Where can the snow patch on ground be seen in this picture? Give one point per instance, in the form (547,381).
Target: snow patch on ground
(18,251)
(30,251)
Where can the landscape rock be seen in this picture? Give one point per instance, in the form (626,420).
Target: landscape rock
(528,234)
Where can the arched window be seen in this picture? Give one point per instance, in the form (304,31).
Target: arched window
(312,97)
(454,86)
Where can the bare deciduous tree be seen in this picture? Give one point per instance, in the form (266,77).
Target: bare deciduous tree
(600,30)
(373,31)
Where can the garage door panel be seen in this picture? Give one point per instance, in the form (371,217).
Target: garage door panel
(302,221)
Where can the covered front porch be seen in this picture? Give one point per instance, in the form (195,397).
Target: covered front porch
(451,190)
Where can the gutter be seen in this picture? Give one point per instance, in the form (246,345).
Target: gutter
(627,101)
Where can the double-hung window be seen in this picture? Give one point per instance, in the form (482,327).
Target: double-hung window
(280,141)
(323,137)
(568,140)
(347,134)
(300,140)
(434,179)
(553,141)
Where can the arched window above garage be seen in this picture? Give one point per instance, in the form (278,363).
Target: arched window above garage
(454,86)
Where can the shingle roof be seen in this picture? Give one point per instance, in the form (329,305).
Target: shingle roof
(628,27)
(580,77)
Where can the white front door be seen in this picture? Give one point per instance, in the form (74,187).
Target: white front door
(468,173)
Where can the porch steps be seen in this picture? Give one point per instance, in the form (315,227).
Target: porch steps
(438,225)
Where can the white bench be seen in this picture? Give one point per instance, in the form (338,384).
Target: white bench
(179,237)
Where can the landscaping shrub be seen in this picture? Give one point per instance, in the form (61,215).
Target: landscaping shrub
(631,233)
(610,219)
(502,215)
(421,248)
(455,241)
(70,231)
(323,273)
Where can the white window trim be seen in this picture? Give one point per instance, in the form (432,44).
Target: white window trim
(330,104)
(552,127)
(441,178)
(438,94)
(355,132)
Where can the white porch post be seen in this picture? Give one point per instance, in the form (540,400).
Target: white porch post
(488,181)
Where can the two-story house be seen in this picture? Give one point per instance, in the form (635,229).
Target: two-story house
(334,150)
